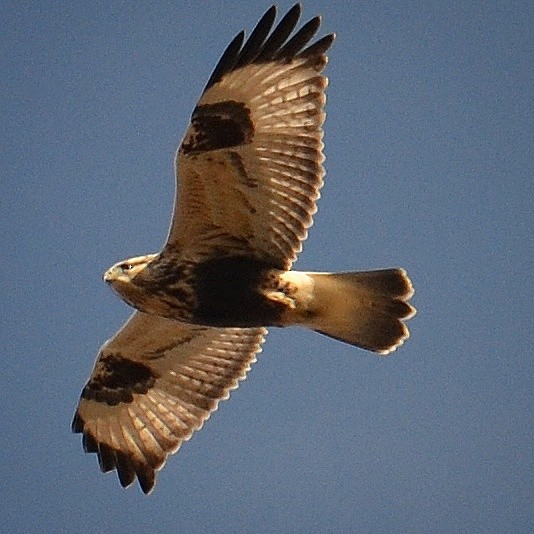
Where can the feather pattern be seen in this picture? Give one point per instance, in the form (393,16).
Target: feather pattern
(193,369)
(250,164)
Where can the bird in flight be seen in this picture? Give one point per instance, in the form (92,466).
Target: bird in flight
(249,171)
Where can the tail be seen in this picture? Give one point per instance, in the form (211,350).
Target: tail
(365,309)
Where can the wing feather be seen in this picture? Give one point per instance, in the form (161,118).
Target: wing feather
(250,165)
(153,385)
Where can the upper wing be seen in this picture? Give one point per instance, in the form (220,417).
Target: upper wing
(154,383)
(250,166)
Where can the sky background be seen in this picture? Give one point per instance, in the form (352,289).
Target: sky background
(429,143)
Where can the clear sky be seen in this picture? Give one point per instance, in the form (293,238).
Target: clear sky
(429,143)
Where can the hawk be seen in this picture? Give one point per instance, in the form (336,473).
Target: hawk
(249,171)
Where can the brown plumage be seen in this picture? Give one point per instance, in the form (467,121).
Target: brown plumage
(249,171)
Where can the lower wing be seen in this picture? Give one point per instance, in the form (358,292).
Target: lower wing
(153,384)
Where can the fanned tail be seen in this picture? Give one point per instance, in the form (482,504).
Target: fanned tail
(366,309)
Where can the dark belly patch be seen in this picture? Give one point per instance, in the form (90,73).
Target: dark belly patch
(228,292)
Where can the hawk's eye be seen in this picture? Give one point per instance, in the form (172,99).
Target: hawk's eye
(126,266)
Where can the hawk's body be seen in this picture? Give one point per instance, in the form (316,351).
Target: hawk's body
(249,172)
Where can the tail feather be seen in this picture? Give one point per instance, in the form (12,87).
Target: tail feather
(366,309)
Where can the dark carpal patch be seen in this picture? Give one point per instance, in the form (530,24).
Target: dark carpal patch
(116,379)
(216,126)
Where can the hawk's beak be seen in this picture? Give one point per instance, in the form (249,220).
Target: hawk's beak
(108,276)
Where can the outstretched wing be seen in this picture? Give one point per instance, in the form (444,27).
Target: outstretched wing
(153,385)
(250,166)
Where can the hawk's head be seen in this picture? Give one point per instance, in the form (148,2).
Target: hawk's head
(121,278)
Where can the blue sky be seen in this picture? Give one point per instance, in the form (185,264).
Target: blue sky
(429,137)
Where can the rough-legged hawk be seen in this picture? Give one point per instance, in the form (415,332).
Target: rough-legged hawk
(249,171)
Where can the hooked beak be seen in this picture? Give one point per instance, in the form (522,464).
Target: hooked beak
(108,276)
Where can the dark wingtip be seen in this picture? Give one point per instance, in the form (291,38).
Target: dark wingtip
(299,40)
(319,47)
(110,459)
(266,44)
(147,480)
(252,47)
(228,59)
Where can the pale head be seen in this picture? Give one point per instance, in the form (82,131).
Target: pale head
(124,271)
(122,274)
